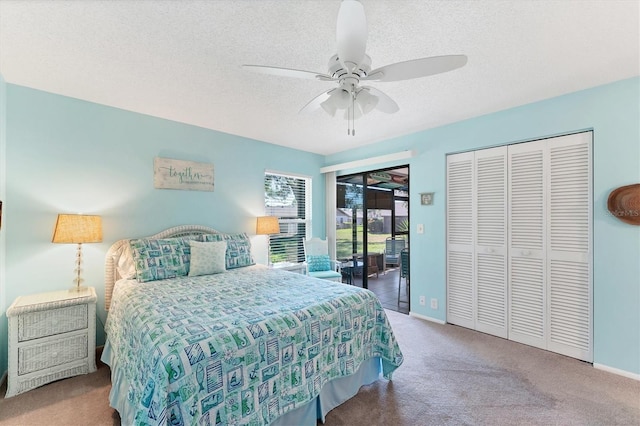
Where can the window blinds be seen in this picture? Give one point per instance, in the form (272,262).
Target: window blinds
(288,198)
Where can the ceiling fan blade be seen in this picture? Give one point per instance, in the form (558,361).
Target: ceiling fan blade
(351,34)
(417,68)
(385,103)
(288,72)
(316,102)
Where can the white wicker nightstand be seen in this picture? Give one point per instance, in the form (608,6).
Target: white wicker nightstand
(51,336)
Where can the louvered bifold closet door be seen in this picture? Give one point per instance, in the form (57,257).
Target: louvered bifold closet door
(569,300)
(491,240)
(460,230)
(526,243)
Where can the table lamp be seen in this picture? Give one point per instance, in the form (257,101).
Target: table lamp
(267,225)
(78,229)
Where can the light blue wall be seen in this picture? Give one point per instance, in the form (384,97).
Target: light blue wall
(69,156)
(3,168)
(66,155)
(613,112)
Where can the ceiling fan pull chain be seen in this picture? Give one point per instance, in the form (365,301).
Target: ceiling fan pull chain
(349,118)
(353,114)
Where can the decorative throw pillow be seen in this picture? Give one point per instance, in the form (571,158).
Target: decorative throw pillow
(207,258)
(160,259)
(210,237)
(238,252)
(318,262)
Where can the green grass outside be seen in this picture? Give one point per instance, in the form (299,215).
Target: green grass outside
(344,246)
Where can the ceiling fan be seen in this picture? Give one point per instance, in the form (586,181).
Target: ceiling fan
(351,65)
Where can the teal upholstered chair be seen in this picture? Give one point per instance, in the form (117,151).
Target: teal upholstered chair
(404,273)
(319,265)
(392,249)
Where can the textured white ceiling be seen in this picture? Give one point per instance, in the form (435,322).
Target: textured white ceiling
(181,60)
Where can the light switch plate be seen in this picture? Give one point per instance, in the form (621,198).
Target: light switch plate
(420,228)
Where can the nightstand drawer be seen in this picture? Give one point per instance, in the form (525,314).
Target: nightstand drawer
(34,325)
(41,356)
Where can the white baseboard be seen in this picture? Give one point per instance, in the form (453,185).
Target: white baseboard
(426,318)
(617,371)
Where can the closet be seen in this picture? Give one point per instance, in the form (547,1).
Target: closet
(519,238)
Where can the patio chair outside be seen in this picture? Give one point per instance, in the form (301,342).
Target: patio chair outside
(393,247)
(404,273)
(372,265)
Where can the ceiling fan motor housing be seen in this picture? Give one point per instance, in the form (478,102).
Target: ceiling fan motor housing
(337,71)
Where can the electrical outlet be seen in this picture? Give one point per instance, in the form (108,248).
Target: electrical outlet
(434,303)
(423,300)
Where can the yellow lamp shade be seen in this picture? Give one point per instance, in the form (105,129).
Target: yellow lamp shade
(78,228)
(266,225)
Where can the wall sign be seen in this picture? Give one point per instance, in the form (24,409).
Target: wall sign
(178,174)
(426,198)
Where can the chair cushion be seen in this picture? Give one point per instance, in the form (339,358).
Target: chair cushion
(318,262)
(325,274)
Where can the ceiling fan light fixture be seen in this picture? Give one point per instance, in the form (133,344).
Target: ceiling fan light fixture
(366,101)
(339,99)
(342,99)
(329,107)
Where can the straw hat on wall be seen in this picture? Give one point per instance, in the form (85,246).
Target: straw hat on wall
(624,203)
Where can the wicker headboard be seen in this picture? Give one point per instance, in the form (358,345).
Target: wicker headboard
(111,272)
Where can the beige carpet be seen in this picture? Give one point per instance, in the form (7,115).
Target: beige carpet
(451,376)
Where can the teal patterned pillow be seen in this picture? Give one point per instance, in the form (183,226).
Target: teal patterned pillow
(207,238)
(318,262)
(238,252)
(160,259)
(207,258)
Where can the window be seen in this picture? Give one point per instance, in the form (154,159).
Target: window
(288,197)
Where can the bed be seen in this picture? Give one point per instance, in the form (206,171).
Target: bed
(242,345)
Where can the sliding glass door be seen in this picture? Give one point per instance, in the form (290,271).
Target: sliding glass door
(349,225)
(371,207)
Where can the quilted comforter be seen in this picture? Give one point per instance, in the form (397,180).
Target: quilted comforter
(241,347)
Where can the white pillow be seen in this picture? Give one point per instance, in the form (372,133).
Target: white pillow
(207,258)
(123,259)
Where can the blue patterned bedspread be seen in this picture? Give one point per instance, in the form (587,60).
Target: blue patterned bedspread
(242,347)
